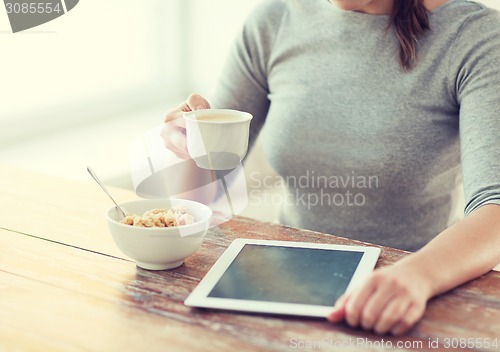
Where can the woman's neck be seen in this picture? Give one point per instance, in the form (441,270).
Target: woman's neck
(433,4)
(374,7)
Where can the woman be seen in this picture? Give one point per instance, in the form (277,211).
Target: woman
(406,91)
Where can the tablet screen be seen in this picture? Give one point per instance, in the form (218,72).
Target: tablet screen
(287,275)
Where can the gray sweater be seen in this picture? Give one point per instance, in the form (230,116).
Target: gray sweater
(366,150)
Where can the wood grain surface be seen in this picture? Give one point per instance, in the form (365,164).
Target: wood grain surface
(64,286)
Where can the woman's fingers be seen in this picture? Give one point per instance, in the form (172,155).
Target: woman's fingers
(408,319)
(382,304)
(391,315)
(193,102)
(375,305)
(173,115)
(338,312)
(197,102)
(357,301)
(175,140)
(174,130)
(392,300)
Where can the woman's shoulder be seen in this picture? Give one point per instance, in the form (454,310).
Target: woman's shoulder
(475,50)
(267,12)
(263,23)
(265,7)
(467,20)
(467,11)
(479,21)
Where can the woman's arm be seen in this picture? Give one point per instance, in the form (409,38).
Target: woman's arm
(393,299)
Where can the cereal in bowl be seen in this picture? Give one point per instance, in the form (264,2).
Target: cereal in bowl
(175,216)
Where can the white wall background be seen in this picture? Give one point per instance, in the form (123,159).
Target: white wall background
(101,58)
(77,90)
(491,3)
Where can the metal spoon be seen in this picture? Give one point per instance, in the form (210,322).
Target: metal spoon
(94,176)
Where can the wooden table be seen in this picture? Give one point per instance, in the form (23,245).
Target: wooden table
(64,286)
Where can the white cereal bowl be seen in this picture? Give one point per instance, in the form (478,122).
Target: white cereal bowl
(159,248)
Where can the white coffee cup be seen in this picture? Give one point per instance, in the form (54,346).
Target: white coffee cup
(217,139)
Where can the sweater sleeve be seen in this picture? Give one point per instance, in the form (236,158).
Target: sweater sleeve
(476,69)
(243,81)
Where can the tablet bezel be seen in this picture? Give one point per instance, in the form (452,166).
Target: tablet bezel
(199,297)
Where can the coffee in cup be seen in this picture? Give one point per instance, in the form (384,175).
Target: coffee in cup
(217,139)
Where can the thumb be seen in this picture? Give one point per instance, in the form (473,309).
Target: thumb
(197,102)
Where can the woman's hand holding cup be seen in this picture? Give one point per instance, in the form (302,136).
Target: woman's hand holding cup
(174,129)
(216,139)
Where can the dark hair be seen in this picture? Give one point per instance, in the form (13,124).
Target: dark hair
(410,21)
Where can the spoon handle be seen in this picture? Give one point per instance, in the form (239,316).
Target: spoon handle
(94,176)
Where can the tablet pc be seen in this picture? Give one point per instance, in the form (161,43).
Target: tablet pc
(280,277)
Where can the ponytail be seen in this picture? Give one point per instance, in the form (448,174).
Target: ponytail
(410,21)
